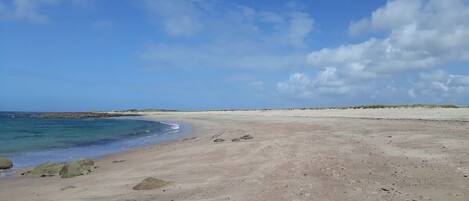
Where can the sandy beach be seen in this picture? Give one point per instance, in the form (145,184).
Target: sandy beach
(364,154)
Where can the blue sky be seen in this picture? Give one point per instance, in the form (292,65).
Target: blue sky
(78,55)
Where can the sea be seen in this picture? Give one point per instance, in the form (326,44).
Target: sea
(28,140)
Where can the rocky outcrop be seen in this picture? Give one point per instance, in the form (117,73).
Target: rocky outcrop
(5,163)
(150,183)
(47,169)
(77,168)
(65,170)
(80,115)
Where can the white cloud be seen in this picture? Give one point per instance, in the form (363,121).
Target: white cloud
(418,35)
(178,17)
(396,13)
(358,27)
(30,10)
(301,24)
(440,85)
(298,85)
(227,35)
(327,82)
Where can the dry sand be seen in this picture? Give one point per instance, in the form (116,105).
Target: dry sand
(374,154)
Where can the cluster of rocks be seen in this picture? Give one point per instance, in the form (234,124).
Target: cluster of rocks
(64,170)
(76,168)
(79,115)
(244,137)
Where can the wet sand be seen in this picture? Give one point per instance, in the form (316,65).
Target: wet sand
(366,154)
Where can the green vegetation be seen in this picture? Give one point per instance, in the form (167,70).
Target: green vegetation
(376,106)
(401,106)
(149,110)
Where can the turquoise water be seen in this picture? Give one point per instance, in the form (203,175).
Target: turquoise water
(30,141)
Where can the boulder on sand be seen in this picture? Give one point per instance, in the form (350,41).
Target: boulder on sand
(5,163)
(77,168)
(150,183)
(47,169)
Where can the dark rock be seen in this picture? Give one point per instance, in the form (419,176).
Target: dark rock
(77,168)
(247,137)
(5,163)
(150,183)
(384,189)
(118,161)
(235,140)
(219,140)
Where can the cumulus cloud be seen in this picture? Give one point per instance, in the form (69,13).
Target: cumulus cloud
(419,34)
(405,36)
(440,85)
(227,35)
(298,84)
(326,83)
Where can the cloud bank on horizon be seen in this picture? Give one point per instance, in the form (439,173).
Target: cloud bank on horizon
(284,54)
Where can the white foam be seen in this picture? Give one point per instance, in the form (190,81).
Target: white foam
(174,126)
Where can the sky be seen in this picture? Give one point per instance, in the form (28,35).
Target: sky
(83,55)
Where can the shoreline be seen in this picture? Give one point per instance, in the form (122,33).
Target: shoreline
(178,130)
(292,156)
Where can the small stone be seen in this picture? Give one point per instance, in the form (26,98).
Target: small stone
(118,161)
(150,183)
(5,163)
(235,140)
(247,137)
(385,189)
(219,140)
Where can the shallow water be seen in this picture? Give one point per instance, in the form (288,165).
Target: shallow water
(30,141)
